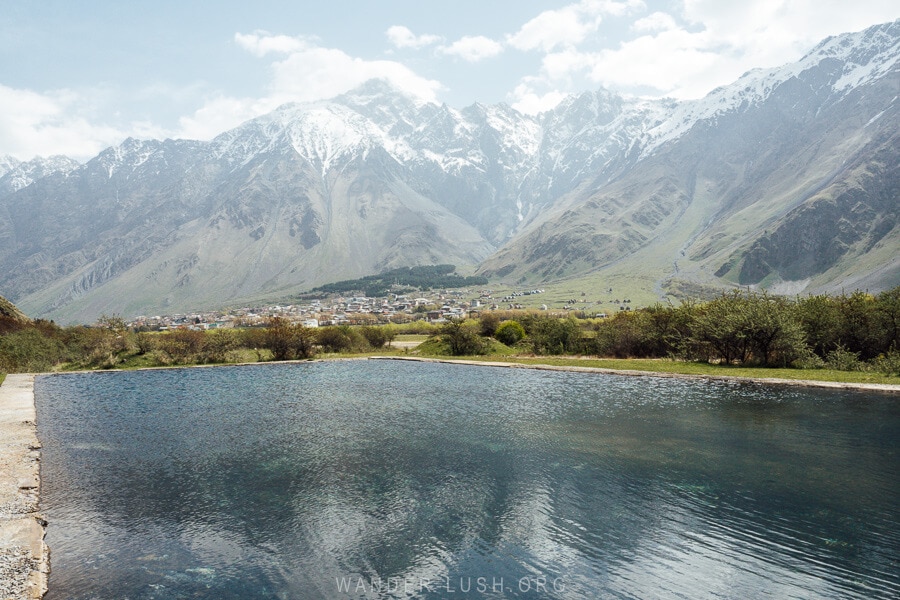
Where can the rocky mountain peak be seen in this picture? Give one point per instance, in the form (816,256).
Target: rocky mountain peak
(20,175)
(378,178)
(7,163)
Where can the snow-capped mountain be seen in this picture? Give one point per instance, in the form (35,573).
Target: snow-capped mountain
(7,163)
(701,192)
(15,175)
(787,178)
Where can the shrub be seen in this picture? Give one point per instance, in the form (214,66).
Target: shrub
(378,336)
(625,335)
(182,346)
(220,345)
(333,339)
(889,363)
(419,327)
(862,329)
(809,360)
(550,335)
(27,350)
(288,340)
(343,338)
(509,333)
(489,322)
(462,337)
(841,359)
(146,342)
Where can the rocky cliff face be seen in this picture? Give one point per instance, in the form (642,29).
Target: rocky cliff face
(846,220)
(748,185)
(788,176)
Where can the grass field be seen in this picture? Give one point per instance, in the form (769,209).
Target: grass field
(697,369)
(503,354)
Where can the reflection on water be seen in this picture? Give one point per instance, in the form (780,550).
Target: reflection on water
(386,479)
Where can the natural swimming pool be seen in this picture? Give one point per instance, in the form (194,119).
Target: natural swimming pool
(390,479)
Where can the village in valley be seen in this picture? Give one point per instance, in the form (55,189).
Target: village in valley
(431,306)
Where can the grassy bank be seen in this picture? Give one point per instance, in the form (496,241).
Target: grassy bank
(651,365)
(648,365)
(851,339)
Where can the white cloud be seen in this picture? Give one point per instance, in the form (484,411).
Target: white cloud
(259,43)
(674,62)
(658,21)
(473,48)
(311,72)
(552,28)
(34,124)
(569,25)
(319,73)
(76,123)
(526,99)
(558,66)
(685,53)
(402,37)
(307,73)
(219,114)
(772,32)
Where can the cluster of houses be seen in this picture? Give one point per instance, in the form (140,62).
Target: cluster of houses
(435,307)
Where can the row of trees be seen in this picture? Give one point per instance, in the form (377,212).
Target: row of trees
(42,345)
(410,278)
(737,327)
(844,332)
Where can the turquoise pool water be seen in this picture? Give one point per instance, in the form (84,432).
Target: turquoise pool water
(384,479)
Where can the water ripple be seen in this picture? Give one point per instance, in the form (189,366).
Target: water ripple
(388,480)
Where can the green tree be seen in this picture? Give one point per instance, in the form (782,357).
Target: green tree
(288,340)
(821,319)
(716,330)
(378,335)
(550,335)
(860,325)
(748,327)
(219,344)
(887,306)
(462,337)
(489,322)
(334,338)
(510,333)
(773,334)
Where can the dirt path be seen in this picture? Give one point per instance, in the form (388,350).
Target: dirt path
(405,344)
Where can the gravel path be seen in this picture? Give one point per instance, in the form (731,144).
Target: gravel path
(24,558)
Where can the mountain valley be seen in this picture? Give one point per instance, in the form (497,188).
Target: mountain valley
(786,179)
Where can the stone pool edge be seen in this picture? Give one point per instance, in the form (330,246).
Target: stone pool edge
(24,556)
(868,387)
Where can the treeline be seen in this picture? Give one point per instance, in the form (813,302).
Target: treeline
(41,346)
(847,332)
(414,278)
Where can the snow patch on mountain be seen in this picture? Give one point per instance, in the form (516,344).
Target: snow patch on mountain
(864,56)
(7,164)
(22,174)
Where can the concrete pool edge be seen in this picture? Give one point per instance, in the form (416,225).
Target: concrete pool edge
(24,557)
(868,387)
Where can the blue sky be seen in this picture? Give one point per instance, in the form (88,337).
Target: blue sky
(76,77)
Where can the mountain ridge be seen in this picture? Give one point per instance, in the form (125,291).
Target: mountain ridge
(376,179)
